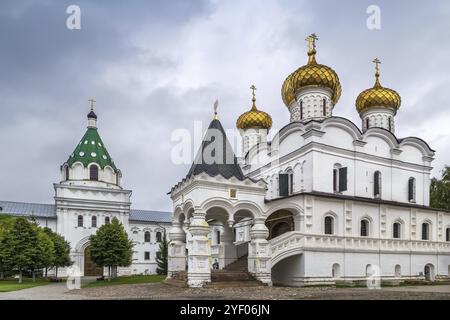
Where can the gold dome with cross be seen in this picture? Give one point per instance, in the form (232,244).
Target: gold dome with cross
(254,118)
(311,75)
(378,96)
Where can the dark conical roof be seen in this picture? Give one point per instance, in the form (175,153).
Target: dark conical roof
(92,115)
(216,155)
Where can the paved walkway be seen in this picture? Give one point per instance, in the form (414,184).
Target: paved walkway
(429,288)
(52,291)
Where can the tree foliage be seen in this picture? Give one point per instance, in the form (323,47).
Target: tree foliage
(61,257)
(110,246)
(440,190)
(162,257)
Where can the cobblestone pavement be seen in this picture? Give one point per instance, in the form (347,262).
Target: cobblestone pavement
(163,291)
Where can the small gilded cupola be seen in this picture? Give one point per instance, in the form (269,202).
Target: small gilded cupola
(377,106)
(90,162)
(311,91)
(253,125)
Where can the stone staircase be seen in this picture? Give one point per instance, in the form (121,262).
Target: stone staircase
(232,276)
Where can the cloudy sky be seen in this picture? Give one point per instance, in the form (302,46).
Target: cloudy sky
(158,66)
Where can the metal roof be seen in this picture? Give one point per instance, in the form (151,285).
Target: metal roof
(150,216)
(23,209)
(27,209)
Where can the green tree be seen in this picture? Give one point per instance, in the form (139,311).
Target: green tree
(20,246)
(6,223)
(62,251)
(162,256)
(111,247)
(440,190)
(44,255)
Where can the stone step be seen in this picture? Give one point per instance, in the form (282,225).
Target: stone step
(234,284)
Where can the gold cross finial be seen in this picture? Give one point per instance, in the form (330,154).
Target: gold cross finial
(216,105)
(91,100)
(253,88)
(311,41)
(377,72)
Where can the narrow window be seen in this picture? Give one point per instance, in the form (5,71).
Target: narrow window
(158,237)
(301,110)
(147,236)
(447,234)
(339,178)
(396,230)
(93,173)
(146,255)
(367,123)
(425,231)
(291,183)
(80,220)
(67,172)
(218,237)
(107,220)
(94,222)
(324,107)
(390,124)
(377,184)
(329,225)
(335,180)
(283,181)
(364,228)
(412,190)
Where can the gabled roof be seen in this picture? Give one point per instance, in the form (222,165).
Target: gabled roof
(21,209)
(216,157)
(38,210)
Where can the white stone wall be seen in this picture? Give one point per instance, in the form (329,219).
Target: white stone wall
(309,104)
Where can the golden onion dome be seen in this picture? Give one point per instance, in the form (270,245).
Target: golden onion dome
(378,96)
(311,75)
(254,118)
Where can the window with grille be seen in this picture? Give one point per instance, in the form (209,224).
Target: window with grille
(396,230)
(425,231)
(329,225)
(94,222)
(147,236)
(93,173)
(146,255)
(412,190)
(364,228)
(80,220)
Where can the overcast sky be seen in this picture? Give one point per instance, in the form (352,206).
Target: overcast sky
(158,66)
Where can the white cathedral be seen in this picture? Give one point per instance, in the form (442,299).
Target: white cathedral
(325,201)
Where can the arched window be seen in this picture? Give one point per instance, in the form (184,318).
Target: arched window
(158,237)
(147,236)
(447,234)
(329,225)
(336,270)
(425,231)
(107,220)
(94,222)
(217,236)
(291,182)
(80,220)
(398,271)
(66,169)
(396,229)
(377,184)
(324,107)
(93,172)
(364,228)
(412,189)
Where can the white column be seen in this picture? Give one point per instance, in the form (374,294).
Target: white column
(177,250)
(259,252)
(199,255)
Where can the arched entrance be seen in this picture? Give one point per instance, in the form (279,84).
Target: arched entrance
(280,222)
(429,272)
(90,268)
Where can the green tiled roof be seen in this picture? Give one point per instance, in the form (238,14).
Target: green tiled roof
(91,149)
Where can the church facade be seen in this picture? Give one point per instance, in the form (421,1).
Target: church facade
(324,201)
(89,195)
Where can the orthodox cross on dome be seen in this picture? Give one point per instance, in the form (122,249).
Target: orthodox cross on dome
(377,71)
(216,105)
(312,48)
(253,88)
(91,100)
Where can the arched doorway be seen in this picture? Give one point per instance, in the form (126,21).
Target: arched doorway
(336,271)
(429,272)
(280,222)
(90,268)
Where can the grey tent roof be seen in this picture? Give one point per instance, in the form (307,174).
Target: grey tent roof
(216,155)
(38,210)
(27,209)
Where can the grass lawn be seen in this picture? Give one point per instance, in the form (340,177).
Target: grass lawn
(13,284)
(125,280)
